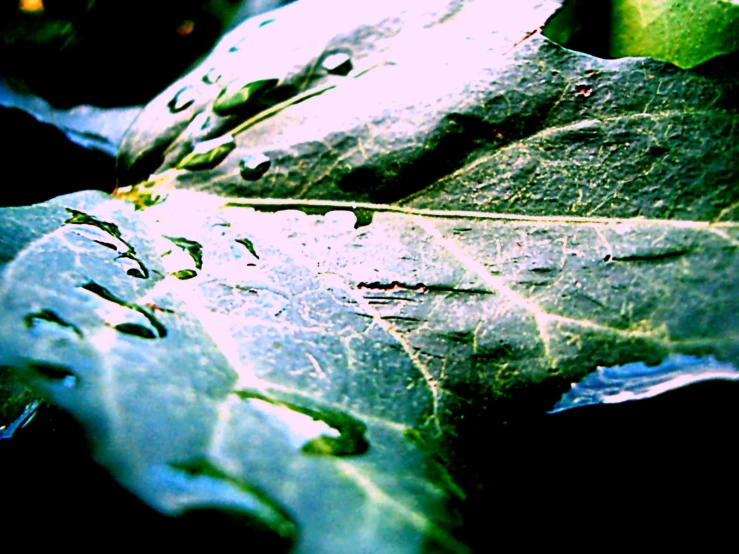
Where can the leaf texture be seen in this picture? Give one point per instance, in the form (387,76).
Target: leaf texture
(314,387)
(440,112)
(255,335)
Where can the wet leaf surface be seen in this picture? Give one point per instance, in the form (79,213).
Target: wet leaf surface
(465,119)
(332,371)
(266,380)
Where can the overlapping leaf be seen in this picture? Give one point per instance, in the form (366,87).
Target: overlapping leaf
(441,112)
(683,32)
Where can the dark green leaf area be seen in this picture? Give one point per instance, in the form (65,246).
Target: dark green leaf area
(523,126)
(623,138)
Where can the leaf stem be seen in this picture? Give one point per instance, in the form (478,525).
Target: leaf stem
(285,204)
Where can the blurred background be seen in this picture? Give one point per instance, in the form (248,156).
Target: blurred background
(75,73)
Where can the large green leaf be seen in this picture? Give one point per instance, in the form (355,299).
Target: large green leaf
(298,371)
(318,365)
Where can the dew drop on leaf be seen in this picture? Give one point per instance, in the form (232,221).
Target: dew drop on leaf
(135,330)
(199,127)
(193,248)
(311,428)
(249,246)
(212,76)
(239,92)
(253,166)
(56,373)
(237,45)
(208,153)
(338,63)
(184,274)
(183,99)
(47,321)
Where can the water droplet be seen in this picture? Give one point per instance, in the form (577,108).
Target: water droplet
(583,90)
(338,63)
(364,218)
(253,166)
(56,373)
(136,330)
(310,427)
(199,123)
(208,153)
(134,266)
(184,274)
(183,99)
(241,91)
(249,246)
(81,218)
(105,294)
(202,127)
(212,76)
(48,321)
(193,248)
(134,272)
(236,46)
(266,22)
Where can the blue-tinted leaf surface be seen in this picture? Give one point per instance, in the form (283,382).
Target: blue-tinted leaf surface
(314,365)
(307,387)
(216,393)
